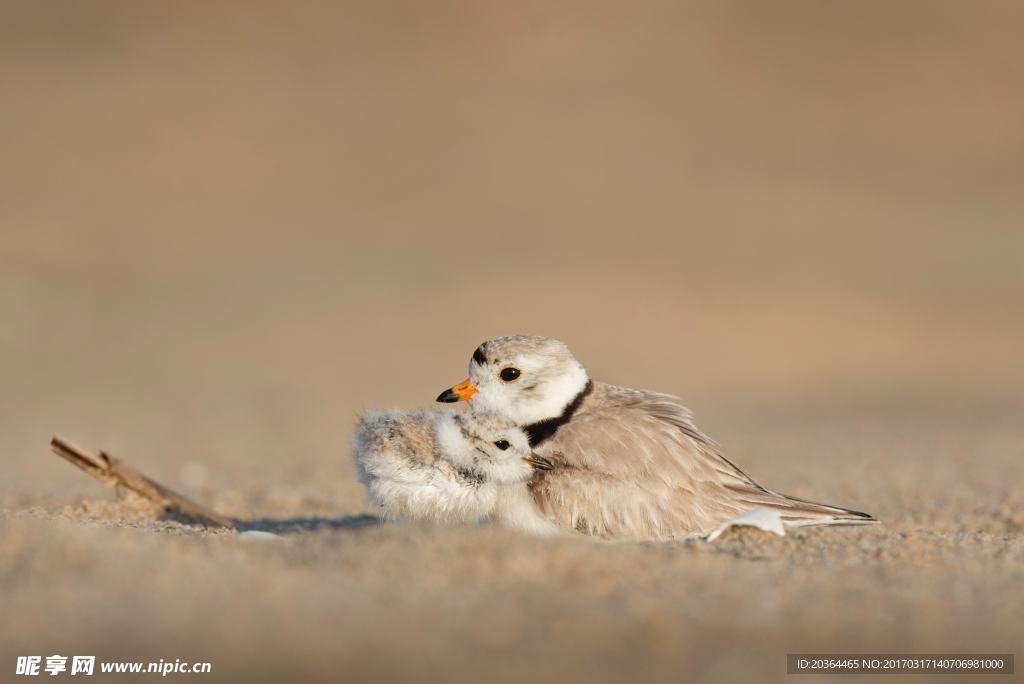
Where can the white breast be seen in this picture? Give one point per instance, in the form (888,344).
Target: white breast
(515,509)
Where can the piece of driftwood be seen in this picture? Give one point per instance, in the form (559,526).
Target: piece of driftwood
(110,471)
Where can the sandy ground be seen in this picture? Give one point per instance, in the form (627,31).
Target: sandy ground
(343,598)
(227,229)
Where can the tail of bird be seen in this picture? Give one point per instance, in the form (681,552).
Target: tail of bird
(800,513)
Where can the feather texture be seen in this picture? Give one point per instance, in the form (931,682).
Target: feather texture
(631,464)
(444,467)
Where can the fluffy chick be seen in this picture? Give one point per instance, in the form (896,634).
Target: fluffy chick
(445,467)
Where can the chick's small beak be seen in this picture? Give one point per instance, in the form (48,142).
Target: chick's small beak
(539,462)
(460,392)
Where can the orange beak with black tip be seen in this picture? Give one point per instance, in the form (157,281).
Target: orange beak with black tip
(461,392)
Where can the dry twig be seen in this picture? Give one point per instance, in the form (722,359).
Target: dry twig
(112,472)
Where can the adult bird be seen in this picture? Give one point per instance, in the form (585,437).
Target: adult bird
(627,463)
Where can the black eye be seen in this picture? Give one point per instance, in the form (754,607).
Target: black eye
(509,374)
(502,444)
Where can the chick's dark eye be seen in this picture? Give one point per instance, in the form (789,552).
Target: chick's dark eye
(509,374)
(502,444)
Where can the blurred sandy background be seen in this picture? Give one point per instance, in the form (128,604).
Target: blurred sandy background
(227,228)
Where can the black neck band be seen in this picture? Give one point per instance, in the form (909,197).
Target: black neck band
(542,431)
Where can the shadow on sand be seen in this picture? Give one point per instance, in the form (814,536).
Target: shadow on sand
(283,526)
(292,525)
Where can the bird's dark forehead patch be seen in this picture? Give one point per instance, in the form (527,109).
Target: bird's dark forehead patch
(478,355)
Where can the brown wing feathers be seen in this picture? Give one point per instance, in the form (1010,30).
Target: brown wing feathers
(632,464)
